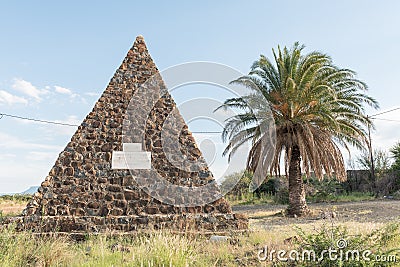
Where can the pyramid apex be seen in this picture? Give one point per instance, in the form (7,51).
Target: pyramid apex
(139,44)
(139,37)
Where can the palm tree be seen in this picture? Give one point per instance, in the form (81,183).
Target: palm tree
(316,107)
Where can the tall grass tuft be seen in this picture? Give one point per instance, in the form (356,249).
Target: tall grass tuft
(25,249)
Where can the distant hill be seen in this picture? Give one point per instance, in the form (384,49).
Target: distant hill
(30,191)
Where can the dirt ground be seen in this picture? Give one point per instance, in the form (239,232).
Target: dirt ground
(377,212)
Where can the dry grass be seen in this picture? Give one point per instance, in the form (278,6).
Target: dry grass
(269,227)
(9,207)
(151,249)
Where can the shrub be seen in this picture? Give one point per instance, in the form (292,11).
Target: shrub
(325,190)
(337,238)
(237,184)
(282,196)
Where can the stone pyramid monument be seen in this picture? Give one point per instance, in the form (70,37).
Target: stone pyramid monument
(92,187)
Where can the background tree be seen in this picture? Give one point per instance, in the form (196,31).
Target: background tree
(395,151)
(381,161)
(315,105)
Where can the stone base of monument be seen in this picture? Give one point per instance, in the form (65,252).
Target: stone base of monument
(202,223)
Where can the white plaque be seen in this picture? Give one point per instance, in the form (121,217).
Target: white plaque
(131,160)
(132,147)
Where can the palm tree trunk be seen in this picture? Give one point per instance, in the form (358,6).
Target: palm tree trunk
(297,195)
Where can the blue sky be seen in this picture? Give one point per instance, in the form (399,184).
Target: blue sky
(57,58)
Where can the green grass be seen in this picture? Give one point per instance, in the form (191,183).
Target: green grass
(355,196)
(22,249)
(351,197)
(249,199)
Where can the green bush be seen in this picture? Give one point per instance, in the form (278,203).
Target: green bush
(326,190)
(237,184)
(282,196)
(347,246)
(244,180)
(268,187)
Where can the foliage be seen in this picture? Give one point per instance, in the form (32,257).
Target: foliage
(274,190)
(237,184)
(17,198)
(153,249)
(353,197)
(337,238)
(324,191)
(381,161)
(241,185)
(159,248)
(395,151)
(282,196)
(270,186)
(388,183)
(249,199)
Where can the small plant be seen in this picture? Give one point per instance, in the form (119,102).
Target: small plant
(326,190)
(349,248)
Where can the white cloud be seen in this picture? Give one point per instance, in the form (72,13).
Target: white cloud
(54,129)
(9,99)
(66,130)
(5,156)
(18,175)
(63,90)
(71,119)
(32,91)
(28,89)
(24,162)
(73,96)
(12,142)
(91,94)
(42,156)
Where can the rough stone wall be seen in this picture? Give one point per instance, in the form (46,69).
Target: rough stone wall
(82,192)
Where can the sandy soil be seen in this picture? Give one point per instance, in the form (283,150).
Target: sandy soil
(365,212)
